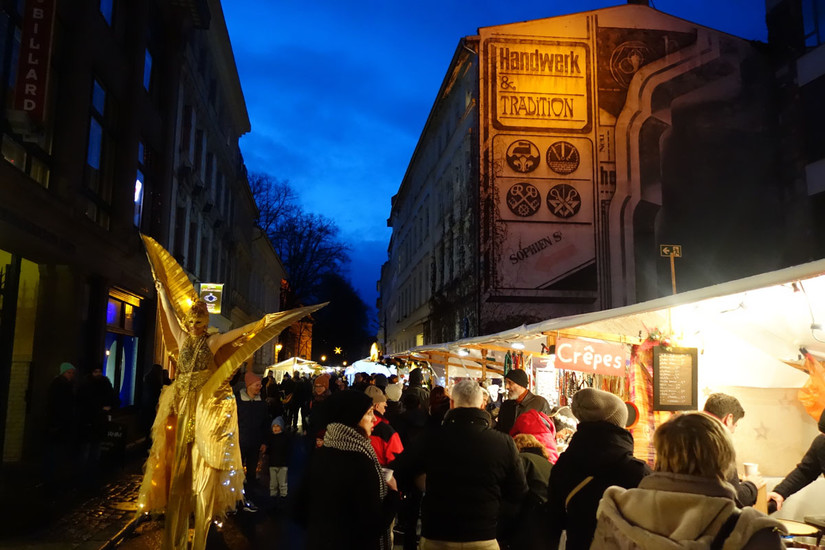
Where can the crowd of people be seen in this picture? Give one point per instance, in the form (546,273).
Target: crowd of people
(416,466)
(380,462)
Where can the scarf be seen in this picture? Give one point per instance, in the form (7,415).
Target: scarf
(342,437)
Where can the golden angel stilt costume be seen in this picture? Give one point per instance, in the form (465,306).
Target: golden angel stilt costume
(195,461)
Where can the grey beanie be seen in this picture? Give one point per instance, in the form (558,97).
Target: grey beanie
(592,405)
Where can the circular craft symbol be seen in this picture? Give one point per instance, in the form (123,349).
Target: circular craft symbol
(523,156)
(564,201)
(626,59)
(563,157)
(523,199)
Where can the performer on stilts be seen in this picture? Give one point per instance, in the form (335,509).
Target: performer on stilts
(194,464)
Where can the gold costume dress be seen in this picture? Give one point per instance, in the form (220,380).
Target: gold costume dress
(195,461)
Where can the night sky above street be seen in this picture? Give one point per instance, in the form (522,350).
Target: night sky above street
(338,92)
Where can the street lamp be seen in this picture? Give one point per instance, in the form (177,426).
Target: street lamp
(278,348)
(323,358)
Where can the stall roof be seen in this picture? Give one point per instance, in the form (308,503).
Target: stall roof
(777,312)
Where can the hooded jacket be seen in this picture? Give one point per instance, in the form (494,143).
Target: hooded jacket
(675,511)
(540,426)
(602,452)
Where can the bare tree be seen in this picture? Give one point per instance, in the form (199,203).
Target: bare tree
(308,244)
(275,198)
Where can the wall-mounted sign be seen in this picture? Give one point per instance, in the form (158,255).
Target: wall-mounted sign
(541,84)
(35,53)
(675,379)
(212,294)
(591,356)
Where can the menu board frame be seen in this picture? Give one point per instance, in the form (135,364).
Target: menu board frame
(693,354)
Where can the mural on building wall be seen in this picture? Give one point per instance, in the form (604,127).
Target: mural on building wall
(568,149)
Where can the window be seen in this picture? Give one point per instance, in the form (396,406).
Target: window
(99,149)
(813,21)
(140,185)
(106,10)
(147,70)
(121,345)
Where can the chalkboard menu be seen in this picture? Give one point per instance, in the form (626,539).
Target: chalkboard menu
(675,379)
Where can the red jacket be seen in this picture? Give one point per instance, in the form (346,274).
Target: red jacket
(541,426)
(385,441)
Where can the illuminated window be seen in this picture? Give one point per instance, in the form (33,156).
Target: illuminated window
(106,10)
(147,70)
(99,151)
(140,185)
(813,21)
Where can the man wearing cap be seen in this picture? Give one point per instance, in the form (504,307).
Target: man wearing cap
(60,416)
(520,400)
(600,455)
(384,438)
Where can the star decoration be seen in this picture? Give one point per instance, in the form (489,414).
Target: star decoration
(337,351)
(761,431)
(707,391)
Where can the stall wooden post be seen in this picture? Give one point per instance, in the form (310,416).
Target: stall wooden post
(483,364)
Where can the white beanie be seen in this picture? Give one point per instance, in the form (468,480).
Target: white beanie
(592,405)
(394,392)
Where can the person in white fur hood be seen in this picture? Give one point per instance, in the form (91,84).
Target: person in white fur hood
(685,503)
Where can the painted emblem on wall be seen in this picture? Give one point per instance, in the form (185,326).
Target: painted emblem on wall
(563,157)
(523,156)
(564,201)
(523,199)
(628,58)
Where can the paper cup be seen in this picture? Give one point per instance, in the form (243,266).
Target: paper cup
(751,468)
(387,473)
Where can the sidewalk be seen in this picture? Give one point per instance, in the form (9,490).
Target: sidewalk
(71,519)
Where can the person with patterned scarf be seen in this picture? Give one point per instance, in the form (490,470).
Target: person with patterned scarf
(345,502)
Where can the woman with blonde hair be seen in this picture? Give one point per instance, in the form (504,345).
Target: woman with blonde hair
(685,502)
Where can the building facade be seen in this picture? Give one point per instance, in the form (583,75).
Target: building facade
(560,158)
(119,118)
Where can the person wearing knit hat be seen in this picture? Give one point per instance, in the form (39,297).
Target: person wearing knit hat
(600,455)
(519,400)
(370,498)
(593,405)
(61,418)
(393,392)
(380,380)
(385,440)
(278,449)
(318,411)
(806,472)
(253,427)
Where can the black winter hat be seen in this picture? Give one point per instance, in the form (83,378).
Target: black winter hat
(518,376)
(380,381)
(416,377)
(348,407)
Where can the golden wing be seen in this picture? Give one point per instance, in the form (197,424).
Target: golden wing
(230,356)
(178,287)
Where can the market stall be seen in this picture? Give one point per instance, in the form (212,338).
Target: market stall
(755,338)
(291,365)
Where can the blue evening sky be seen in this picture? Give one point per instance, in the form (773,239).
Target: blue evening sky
(338,92)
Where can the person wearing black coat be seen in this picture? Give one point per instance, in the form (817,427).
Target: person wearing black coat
(520,400)
(600,455)
(253,424)
(806,472)
(344,500)
(471,471)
